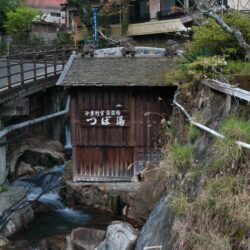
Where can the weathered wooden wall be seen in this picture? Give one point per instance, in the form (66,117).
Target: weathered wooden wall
(114,128)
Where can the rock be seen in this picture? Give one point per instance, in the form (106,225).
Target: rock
(86,238)
(15,211)
(152,188)
(102,196)
(35,151)
(25,169)
(40,207)
(157,230)
(120,235)
(3,242)
(57,242)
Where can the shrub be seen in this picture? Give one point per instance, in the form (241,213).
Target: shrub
(208,66)
(63,38)
(210,36)
(238,67)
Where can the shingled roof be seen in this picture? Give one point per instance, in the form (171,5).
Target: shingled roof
(117,71)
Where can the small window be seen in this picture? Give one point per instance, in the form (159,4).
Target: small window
(57,14)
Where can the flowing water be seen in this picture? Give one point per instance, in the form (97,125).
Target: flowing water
(45,187)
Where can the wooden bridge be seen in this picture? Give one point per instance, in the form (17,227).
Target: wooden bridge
(28,72)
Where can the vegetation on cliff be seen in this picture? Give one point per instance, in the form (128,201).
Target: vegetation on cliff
(212,52)
(208,178)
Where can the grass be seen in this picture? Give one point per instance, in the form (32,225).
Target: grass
(179,204)
(181,156)
(218,216)
(210,241)
(227,156)
(239,67)
(193,132)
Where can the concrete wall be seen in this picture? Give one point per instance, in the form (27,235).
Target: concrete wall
(239,4)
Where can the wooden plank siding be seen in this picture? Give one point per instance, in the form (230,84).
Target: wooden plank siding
(111,152)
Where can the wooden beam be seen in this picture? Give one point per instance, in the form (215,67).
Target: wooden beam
(227,89)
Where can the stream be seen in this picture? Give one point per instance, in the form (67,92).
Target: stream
(59,219)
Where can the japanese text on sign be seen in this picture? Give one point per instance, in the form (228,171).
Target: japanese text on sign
(104,117)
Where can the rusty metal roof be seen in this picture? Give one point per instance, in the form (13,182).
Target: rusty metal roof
(116,71)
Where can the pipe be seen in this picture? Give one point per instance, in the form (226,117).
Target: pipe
(205,128)
(11,128)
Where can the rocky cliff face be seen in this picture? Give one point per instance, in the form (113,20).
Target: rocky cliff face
(156,230)
(169,223)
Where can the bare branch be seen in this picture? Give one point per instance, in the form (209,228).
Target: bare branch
(207,9)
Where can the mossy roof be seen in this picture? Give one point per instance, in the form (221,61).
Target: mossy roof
(117,71)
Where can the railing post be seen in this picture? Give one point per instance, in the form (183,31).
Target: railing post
(34,65)
(8,71)
(64,57)
(55,63)
(21,69)
(45,64)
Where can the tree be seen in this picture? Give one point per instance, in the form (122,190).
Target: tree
(19,21)
(207,8)
(84,11)
(211,39)
(5,6)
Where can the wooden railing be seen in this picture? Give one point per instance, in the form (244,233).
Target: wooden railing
(26,67)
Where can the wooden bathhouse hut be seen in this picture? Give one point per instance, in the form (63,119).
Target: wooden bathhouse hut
(117,106)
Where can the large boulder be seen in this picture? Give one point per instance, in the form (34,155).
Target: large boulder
(157,230)
(31,152)
(86,238)
(15,211)
(101,196)
(120,235)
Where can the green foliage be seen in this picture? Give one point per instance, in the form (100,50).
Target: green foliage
(238,67)
(3,189)
(20,21)
(5,6)
(178,77)
(181,156)
(179,204)
(217,189)
(236,129)
(211,37)
(226,154)
(63,38)
(125,16)
(85,12)
(207,66)
(209,241)
(190,72)
(191,55)
(35,40)
(193,132)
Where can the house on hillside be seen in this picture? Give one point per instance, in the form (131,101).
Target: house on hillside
(241,5)
(119,106)
(147,17)
(53,18)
